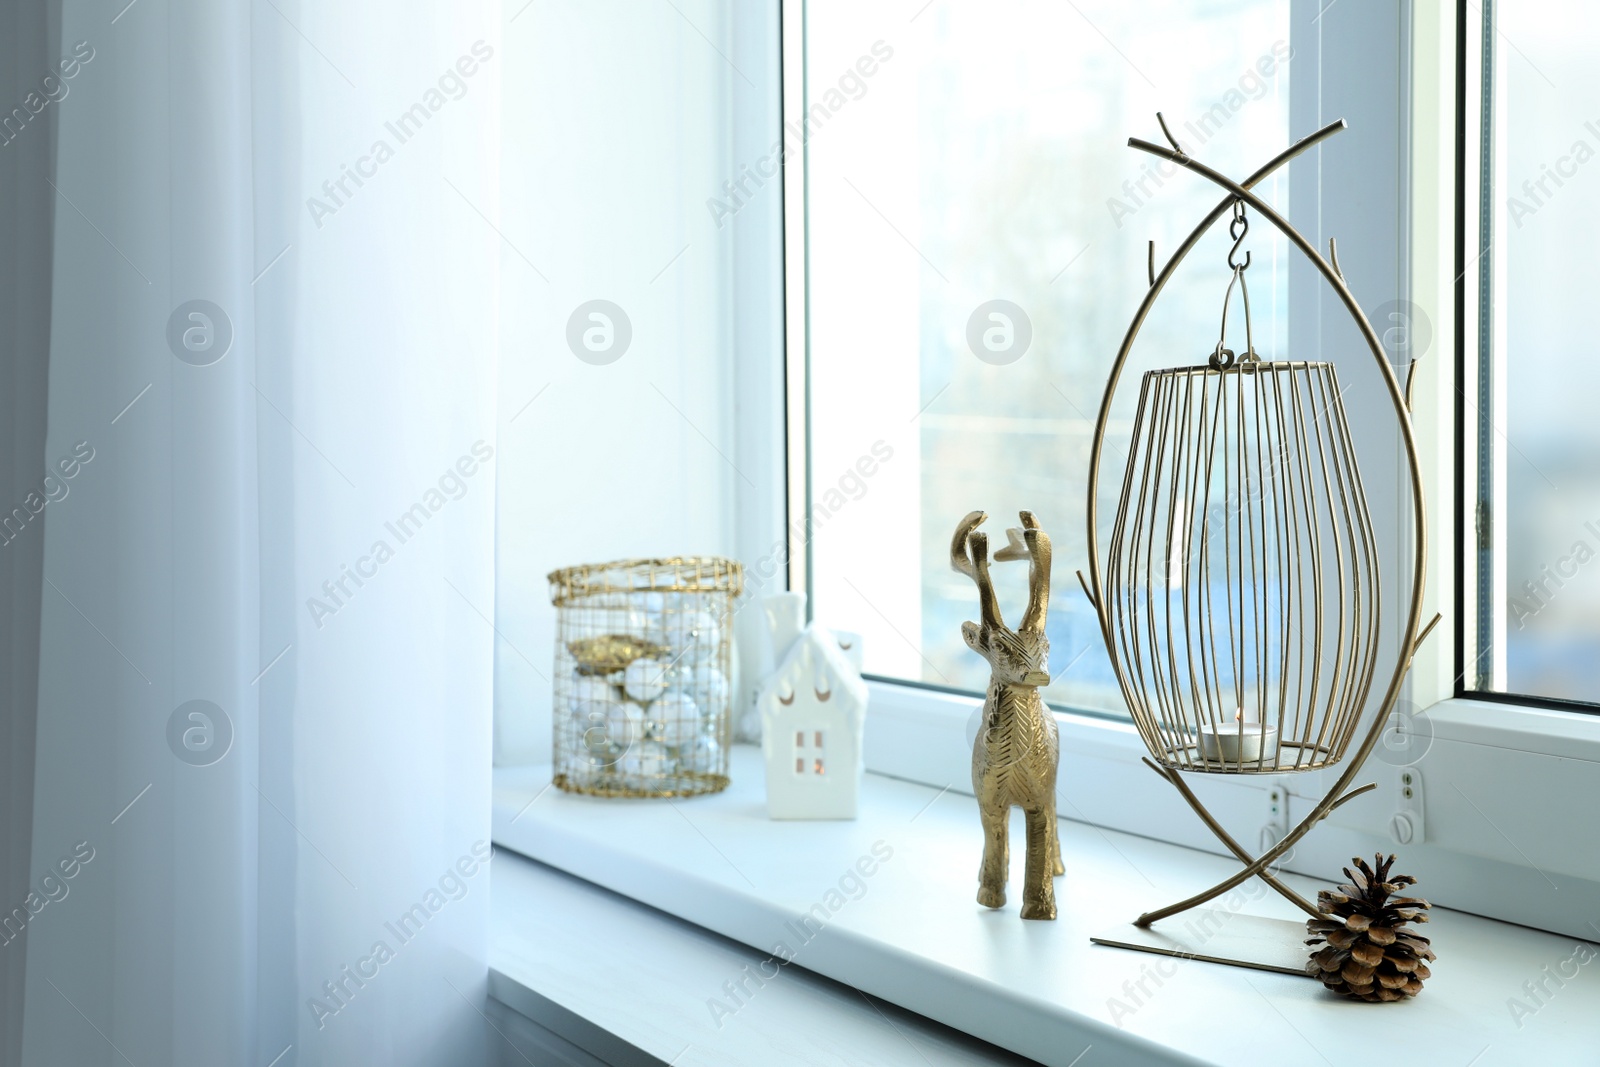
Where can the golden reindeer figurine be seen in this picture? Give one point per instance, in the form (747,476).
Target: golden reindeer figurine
(1014,757)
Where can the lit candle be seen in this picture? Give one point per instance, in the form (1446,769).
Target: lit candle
(1243,742)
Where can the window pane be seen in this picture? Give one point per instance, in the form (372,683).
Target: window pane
(1548,438)
(969,154)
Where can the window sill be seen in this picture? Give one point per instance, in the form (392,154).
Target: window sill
(1521,728)
(624,985)
(916,938)
(1496,781)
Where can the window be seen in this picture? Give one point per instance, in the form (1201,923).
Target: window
(957,156)
(810,760)
(975,242)
(1532,482)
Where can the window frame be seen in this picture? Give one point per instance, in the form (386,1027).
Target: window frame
(1476,273)
(918,731)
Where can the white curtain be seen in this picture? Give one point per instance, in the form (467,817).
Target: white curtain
(264,711)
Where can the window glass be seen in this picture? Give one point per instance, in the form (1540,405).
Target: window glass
(976,245)
(1538,441)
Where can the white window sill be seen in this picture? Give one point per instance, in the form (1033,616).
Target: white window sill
(1545,731)
(1500,784)
(917,938)
(627,986)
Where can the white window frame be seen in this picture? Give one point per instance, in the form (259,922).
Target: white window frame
(1504,786)
(1475,270)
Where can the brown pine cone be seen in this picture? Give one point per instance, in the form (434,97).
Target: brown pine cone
(1368,950)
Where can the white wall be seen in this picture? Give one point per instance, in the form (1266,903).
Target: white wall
(620,120)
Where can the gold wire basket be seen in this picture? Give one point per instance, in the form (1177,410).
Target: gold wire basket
(643,663)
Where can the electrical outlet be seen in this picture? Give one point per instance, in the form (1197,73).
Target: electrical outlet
(1277,817)
(1408,825)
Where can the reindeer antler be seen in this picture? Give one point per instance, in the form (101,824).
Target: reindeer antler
(1017,546)
(969,555)
(959,560)
(1031,543)
(1038,543)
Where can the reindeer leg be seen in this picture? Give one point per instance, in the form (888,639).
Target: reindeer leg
(1038,891)
(996,856)
(1056,866)
(1052,795)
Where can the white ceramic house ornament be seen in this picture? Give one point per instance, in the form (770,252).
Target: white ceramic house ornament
(813,713)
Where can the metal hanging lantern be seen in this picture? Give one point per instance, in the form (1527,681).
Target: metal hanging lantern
(1239,597)
(1242,575)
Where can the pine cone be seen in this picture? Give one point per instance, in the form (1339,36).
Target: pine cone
(1368,950)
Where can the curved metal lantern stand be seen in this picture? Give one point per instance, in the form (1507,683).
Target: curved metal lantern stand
(1237,194)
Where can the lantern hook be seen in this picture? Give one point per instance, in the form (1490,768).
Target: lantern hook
(1238,229)
(1223,358)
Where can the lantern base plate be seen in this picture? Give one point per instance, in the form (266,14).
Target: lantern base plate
(1218,936)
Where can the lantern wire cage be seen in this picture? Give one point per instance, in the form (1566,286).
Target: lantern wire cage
(1240,597)
(643,662)
(1243,567)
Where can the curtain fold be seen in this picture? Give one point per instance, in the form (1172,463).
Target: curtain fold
(29,35)
(264,700)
